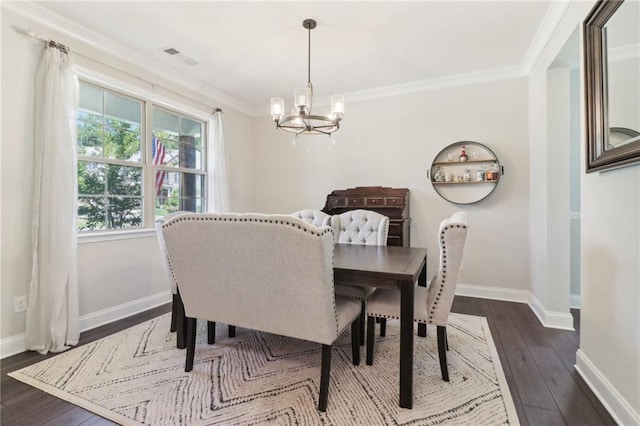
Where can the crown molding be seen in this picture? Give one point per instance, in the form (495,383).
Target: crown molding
(424,85)
(550,21)
(97,41)
(54,21)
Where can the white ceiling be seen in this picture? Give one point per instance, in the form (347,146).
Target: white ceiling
(252,51)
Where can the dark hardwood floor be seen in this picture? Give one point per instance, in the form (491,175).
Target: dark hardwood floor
(537,362)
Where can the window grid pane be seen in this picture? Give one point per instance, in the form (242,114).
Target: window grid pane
(109,125)
(181,191)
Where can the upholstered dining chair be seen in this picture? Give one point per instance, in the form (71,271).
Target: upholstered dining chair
(363,227)
(176,308)
(167,267)
(315,217)
(271,273)
(432,304)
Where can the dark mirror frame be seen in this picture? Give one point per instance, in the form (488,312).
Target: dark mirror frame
(599,155)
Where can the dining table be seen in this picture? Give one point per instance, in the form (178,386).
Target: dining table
(388,267)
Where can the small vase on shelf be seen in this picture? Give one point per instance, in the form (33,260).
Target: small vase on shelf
(493,172)
(463,156)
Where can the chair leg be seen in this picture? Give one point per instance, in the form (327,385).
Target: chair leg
(181,324)
(446,338)
(371,337)
(174,313)
(191,343)
(232,331)
(442,352)
(325,371)
(383,327)
(355,341)
(422,329)
(363,317)
(211,332)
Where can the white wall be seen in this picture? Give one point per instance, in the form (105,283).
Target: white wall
(392,142)
(113,273)
(609,352)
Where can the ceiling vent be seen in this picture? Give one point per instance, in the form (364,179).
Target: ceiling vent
(179,55)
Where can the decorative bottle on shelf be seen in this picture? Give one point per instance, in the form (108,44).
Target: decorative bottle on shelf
(492,172)
(480,174)
(463,156)
(466,177)
(438,177)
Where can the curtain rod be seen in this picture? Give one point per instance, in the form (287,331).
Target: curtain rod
(32,34)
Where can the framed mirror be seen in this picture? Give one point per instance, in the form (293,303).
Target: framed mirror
(612,84)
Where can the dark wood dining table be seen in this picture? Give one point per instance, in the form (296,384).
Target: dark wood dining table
(388,267)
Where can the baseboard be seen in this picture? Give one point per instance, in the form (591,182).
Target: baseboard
(16,344)
(12,345)
(494,293)
(106,316)
(618,407)
(551,319)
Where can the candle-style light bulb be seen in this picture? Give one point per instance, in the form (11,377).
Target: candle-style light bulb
(301,99)
(337,107)
(277,108)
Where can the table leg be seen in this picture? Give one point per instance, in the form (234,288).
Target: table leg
(406,344)
(422,282)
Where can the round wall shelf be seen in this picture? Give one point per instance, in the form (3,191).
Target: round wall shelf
(465,172)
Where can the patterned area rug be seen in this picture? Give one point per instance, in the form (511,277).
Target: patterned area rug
(137,377)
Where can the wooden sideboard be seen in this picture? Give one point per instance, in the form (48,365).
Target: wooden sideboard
(391,202)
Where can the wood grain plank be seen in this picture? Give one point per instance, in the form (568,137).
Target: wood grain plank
(564,346)
(595,402)
(74,416)
(531,386)
(97,421)
(571,401)
(513,389)
(539,416)
(34,410)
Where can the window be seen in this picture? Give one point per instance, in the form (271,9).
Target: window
(178,160)
(126,167)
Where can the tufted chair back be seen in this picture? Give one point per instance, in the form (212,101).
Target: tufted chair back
(363,227)
(451,238)
(314,217)
(256,271)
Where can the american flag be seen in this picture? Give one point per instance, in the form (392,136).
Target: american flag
(157,152)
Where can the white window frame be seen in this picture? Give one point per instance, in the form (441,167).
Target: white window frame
(149,99)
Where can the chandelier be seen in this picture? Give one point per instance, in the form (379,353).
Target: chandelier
(301,120)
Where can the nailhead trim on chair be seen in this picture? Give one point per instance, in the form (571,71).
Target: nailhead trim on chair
(444,271)
(318,232)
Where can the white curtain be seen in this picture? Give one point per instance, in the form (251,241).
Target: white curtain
(52,311)
(219,183)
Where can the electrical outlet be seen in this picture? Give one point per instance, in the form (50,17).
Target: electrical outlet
(20,304)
